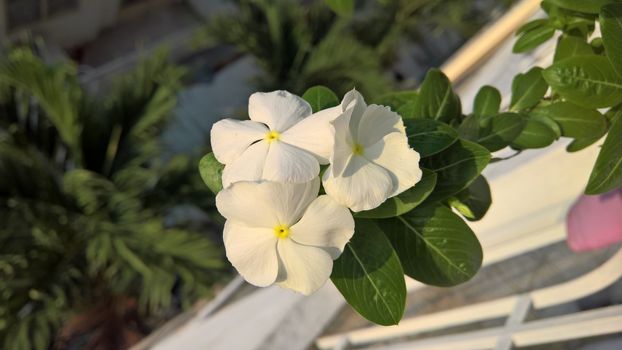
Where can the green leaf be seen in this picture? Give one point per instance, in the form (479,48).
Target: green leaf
(320,97)
(501,131)
(435,245)
(428,136)
(407,111)
(436,98)
(456,167)
(542,118)
(536,23)
(474,201)
(575,121)
(535,134)
(487,101)
(614,113)
(589,81)
(611,28)
(582,143)
(402,102)
(343,8)
(568,46)
(405,201)
(211,172)
(396,100)
(528,89)
(469,127)
(369,275)
(586,6)
(530,39)
(607,173)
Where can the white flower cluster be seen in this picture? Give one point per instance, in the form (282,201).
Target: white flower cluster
(278,229)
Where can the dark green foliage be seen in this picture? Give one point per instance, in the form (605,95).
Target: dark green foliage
(298,47)
(370,276)
(320,97)
(84,199)
(434,245)
(474,201)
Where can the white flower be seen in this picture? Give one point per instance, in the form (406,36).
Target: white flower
(371,159)
(280,143)
(283,233)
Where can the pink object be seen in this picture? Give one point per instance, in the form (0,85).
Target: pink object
(595,222)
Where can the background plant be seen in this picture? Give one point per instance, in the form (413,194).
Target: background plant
(85,198)
(417,233)
(298,45)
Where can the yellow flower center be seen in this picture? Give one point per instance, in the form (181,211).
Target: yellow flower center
(281,231)
(273,136)
(358,149)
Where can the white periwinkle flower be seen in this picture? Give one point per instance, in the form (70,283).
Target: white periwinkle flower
(280,142)
(283,233)
(371,159)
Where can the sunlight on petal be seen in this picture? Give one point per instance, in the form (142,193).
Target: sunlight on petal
(280,109)
(252,251)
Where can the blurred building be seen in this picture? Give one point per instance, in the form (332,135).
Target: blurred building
(68,23)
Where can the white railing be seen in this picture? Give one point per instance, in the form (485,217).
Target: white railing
(515,308)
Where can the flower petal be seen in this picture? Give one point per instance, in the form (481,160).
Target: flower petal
(250,203)
(354,101)
(253,252)
(277,109)
(287,163)
(314,134)
(248,167)
(402,162)
(292,199)
(363,185)
(343,143)
(230,138)
(304,269)
(324,224)
(266,204)
(376,123)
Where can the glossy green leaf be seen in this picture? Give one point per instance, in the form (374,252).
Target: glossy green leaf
(542,118)
(501,131)
(614,113)
(568,46)
(582,143)
(586,6)
(405,201)
(574,121)
(589,81)
(343,8)
(474,201)
(320,97)
(528,89)
(435,245)
(469,127)
(535,134)
(487,101)
(428,136)
(437,99)
(607,173)
(597,46)
(611,28)
(211,172)
(530,39)
(396,100)
(370,277)
(407,111)
(456,167)
(531,25)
